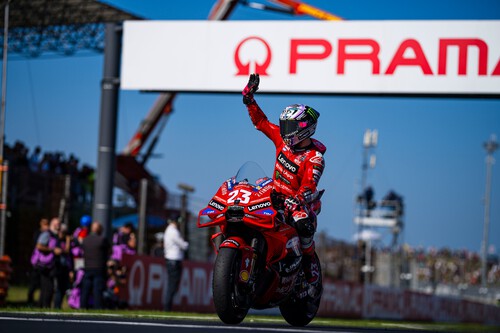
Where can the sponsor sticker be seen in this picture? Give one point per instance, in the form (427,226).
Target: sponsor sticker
(318,158)
(207,211)
(281,178)
(267,212)
(217,205)
(266,182)
(287,164)
(259,206)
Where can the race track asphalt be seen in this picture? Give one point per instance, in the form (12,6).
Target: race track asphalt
(54,323)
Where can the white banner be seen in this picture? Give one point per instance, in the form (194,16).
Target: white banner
(346,57)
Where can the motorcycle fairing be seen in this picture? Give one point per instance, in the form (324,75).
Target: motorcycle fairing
(253,200)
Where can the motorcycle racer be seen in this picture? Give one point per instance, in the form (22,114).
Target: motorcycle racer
(298,167)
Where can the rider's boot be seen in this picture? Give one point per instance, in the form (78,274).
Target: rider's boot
(311,268)
(306,227)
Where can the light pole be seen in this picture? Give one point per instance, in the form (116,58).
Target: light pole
(186,189)
(4,76)
(491,145)
(4,166)
(370,140)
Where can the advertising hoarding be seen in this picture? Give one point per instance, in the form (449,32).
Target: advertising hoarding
(320,57)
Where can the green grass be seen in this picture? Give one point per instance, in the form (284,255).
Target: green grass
(18,294)
(16,303)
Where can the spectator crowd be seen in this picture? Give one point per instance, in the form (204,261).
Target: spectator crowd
(432,267)
(81,265)
(453,267)
(52,164)
(48,162)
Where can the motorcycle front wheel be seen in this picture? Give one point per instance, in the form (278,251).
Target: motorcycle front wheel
(225,288)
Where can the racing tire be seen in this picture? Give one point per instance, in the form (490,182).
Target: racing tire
(301,311)
(225,289)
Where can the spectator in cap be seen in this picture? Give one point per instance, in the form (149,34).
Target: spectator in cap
(76,243)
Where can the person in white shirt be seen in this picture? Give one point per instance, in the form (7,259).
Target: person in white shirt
(174,247)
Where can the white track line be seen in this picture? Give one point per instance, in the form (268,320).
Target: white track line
(131,323)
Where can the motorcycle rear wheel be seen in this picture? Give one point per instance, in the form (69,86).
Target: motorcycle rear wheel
(300,312)
(225,290)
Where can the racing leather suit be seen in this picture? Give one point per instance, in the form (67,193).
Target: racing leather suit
(296,174)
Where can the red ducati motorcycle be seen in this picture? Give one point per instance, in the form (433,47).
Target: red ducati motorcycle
(259,259)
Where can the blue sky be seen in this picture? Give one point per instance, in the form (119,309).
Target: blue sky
(430,149)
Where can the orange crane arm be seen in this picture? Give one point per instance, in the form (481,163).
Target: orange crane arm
(161,107)
(301,8)
(163,104)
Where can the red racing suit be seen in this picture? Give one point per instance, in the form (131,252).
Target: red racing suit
(296,173)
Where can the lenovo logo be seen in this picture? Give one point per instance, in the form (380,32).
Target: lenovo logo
(287,164)
(259,206)
(217,205)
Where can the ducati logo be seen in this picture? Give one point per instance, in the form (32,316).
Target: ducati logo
(244,68)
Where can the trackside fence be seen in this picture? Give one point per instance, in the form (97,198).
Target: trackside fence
(146,283)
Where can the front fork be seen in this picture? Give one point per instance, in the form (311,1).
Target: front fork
(249,256)
(249,264)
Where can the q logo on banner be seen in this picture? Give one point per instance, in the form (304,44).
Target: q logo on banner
(136,284)
(260,68)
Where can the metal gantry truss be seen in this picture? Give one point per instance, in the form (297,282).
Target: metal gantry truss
(59,27)
(63,40)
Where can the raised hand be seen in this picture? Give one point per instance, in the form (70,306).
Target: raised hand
(251,87)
